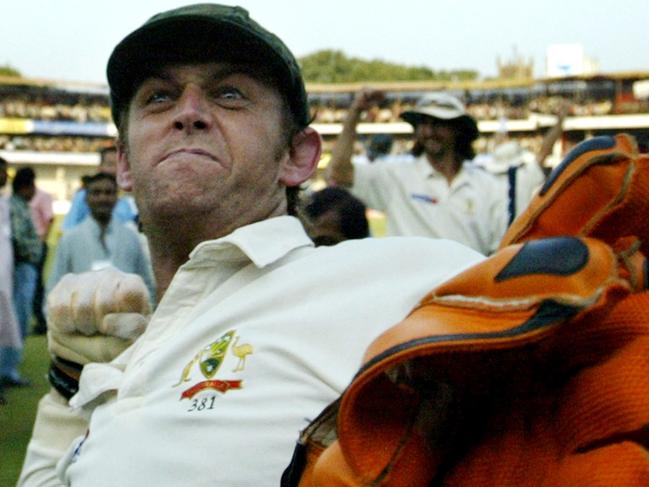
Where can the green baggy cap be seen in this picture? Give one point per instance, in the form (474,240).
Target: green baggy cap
(199,33)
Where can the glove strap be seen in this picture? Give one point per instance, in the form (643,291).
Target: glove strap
(64,376)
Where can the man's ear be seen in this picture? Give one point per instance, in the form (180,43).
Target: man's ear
(124,179)
(302,159)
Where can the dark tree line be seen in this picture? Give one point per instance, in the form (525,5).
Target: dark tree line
(331,66)
(6,70)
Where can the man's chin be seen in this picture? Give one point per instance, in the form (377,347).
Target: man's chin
(435,152)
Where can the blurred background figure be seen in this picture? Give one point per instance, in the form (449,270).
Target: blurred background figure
(125,210)
(379,147)
(42,210)
(522,171)
(27,248)
(334,215)
(100,240)
(10,339)
(436,192)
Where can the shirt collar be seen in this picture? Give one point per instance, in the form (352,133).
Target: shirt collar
(263,242)
(429,172)
(96,230)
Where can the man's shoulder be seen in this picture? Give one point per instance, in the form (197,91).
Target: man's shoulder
(481,174)
(42,198)
(77,231)
(393,251)
(397,159)
(126,229)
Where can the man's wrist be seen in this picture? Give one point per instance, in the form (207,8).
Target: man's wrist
(64,376)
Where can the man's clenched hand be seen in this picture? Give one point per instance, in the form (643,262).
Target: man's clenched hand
(94,316)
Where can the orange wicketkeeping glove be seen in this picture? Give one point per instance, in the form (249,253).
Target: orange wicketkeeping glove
(523,370)
(601,190)
(528,369)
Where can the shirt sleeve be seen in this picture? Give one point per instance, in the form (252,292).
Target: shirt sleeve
(372,185)
(55,429)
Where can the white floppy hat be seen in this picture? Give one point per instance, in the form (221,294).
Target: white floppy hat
(506,155)
(441,106)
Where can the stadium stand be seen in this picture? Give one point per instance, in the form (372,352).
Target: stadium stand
(58,127)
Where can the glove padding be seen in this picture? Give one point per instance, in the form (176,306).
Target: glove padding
(94,316)
(526,369)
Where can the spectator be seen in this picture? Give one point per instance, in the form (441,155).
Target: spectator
(522,171)
(42,210)
(11,343)
(125,210)
(256,329)
(433,194)
(334,215)
(380,146)
(27,252)
(100,240)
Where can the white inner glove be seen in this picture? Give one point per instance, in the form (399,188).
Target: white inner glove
(94,316)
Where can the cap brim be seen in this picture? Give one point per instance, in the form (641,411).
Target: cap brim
(467,123)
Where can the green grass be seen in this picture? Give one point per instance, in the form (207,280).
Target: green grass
(17,417)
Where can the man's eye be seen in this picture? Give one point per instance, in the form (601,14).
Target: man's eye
(229,93)
(158,97)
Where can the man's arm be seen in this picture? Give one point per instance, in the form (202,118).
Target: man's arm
(551,137)
(340,170)
(92,317)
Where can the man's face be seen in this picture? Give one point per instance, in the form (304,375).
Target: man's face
(205,140)
(436,137)
(27,192)
(101,196)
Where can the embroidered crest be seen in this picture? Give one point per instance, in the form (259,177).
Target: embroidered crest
(210,359)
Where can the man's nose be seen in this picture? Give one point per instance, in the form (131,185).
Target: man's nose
(425,129)
(192,111)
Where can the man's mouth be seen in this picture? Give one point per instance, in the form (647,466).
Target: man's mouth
(188,151)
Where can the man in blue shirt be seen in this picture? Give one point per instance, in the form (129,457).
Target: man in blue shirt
(124,211)
(100,240)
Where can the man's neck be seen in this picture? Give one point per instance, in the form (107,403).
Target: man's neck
(170,246)
(172,239)
(448,165)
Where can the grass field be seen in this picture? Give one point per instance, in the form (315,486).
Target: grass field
(17,417)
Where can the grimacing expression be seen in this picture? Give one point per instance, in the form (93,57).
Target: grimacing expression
(101,196)
(208,137)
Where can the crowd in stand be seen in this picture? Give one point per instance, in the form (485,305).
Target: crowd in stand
(43,143)
(84,109)
(481,110)
(77,109)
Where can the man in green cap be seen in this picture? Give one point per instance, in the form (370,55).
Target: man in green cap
(255,330)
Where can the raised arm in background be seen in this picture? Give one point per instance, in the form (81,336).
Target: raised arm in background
(340,170)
